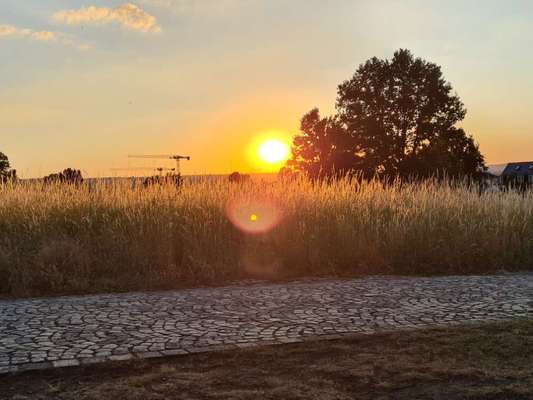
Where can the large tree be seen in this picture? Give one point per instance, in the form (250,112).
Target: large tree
(394,117)
(323,148)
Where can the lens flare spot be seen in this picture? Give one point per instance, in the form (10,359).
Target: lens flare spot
(254,215)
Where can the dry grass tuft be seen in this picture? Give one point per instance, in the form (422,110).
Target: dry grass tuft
(110,236)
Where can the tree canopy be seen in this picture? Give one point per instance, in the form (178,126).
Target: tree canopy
(394,117)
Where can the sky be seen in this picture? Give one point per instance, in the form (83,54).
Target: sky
(85,83)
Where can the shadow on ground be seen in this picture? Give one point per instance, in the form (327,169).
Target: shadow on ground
(491,361)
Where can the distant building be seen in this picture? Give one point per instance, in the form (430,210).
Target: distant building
(517,174)
(490,178)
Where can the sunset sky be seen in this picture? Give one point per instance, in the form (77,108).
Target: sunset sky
(85,83)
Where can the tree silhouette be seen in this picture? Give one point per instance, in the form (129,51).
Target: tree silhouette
(4,164)
(68,176)
(324,147)
(394,117)
(237,177)
(6,173)
(170,179)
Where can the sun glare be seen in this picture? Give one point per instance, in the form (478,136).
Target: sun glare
(273,151)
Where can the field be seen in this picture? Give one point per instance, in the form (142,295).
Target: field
(490,361)
(110,236)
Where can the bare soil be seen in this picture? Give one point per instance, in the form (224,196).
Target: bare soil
(491,361)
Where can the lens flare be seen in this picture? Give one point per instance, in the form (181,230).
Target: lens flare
(254,216)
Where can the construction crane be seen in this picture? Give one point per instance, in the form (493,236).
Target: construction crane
(175,157)
(158,169)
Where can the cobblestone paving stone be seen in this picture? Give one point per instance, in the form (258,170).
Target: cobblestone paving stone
(77,330)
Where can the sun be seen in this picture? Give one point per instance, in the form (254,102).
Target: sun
(273,151)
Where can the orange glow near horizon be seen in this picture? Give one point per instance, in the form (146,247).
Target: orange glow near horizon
(92,96)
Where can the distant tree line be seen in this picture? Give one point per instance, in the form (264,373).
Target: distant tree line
(171,179)
(68,176)
(72,176)
(394,118)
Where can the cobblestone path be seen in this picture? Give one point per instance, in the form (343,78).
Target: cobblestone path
(69,331)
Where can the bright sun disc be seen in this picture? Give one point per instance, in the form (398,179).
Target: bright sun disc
(273,151)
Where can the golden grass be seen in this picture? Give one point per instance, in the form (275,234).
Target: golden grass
(108,236)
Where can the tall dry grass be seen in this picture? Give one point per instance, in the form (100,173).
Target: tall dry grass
(110,236)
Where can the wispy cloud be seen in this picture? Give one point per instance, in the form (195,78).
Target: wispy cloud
(160,3)
(127,15)
(193,6)
(41,36)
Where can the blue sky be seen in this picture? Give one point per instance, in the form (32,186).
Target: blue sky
(84,83)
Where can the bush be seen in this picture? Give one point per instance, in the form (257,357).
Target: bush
(237,177)
(68,176)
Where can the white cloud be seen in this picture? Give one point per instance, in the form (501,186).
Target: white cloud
(127,15)
(44,36)
(8,30)
(41,36)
